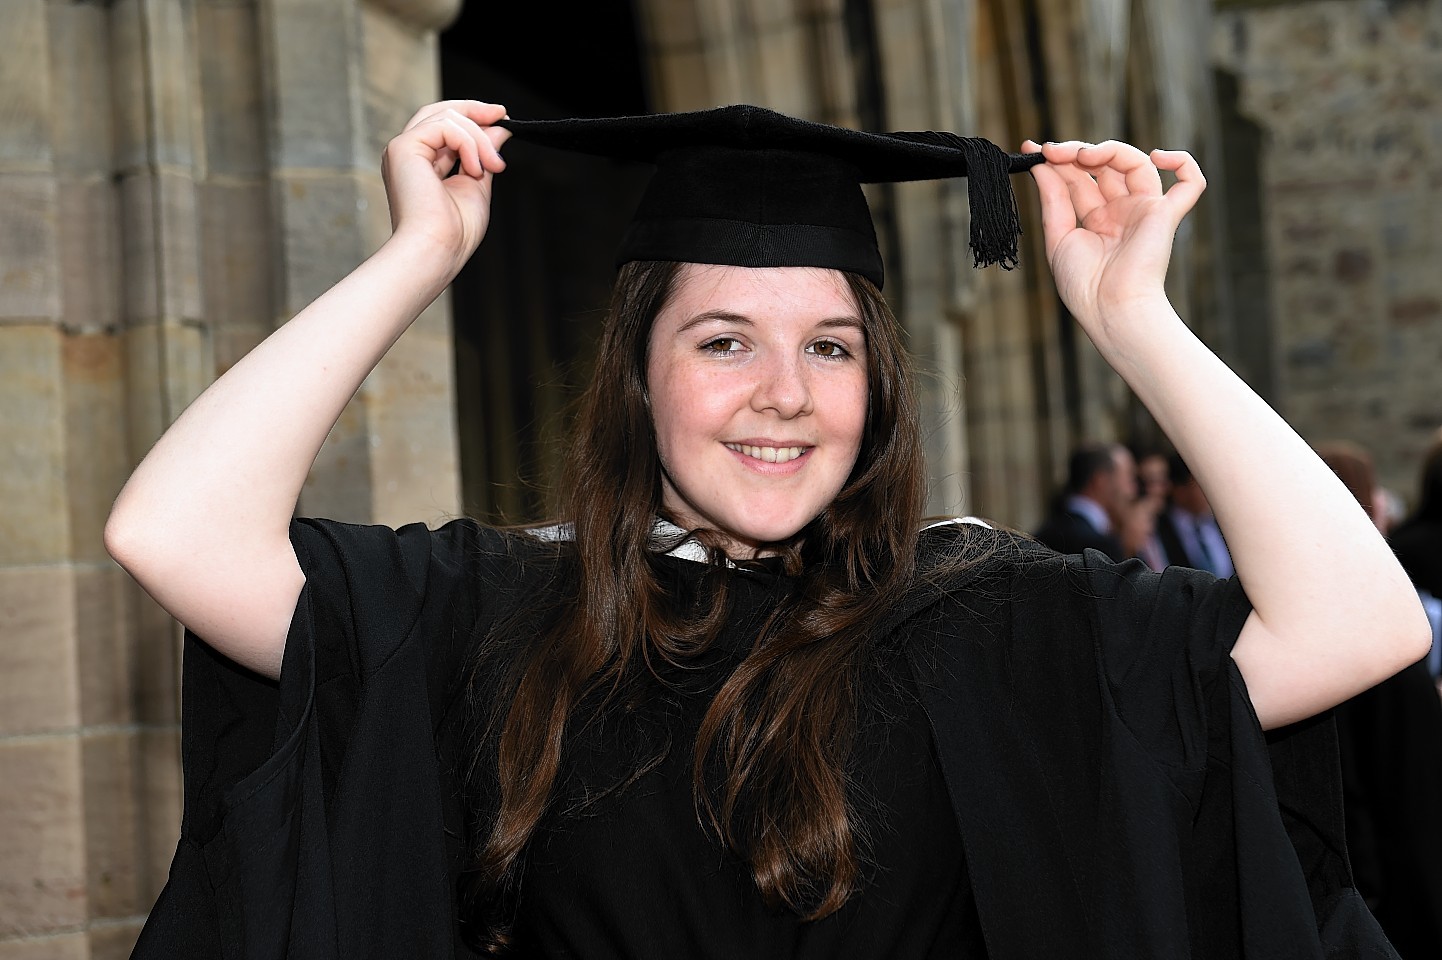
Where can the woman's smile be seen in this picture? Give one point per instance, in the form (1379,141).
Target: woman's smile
(776,453)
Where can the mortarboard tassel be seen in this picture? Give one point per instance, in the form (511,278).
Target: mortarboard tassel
(995,223)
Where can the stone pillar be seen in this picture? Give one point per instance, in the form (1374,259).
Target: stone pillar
(923,48)
(343,78)
(789,56)
(158,167)
(176,178)
(74,858)
(1012,348)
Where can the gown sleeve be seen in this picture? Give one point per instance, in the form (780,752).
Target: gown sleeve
(1130,803)
(1259,839)
(319,820)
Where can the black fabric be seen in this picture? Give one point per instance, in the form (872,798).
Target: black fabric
(1139,815)
(747,186)
(1391,739)
(316,824)
(630,874)
(1418,545)
(1111,789)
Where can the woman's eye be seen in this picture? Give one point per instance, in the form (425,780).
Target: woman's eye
(829,349)
(722,345)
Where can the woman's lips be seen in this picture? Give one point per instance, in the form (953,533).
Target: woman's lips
(770,453)
(771,459)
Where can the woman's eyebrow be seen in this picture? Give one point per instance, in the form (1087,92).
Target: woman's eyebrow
(716,316)
(739,319)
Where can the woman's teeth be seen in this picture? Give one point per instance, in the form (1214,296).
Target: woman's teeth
(769,454)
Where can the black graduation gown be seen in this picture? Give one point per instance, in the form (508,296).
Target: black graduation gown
(1114,793)
(1391,740)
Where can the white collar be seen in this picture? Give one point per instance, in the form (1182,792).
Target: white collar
(663,530)
(690,548)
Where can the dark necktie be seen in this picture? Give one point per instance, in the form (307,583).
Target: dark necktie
(1209,562)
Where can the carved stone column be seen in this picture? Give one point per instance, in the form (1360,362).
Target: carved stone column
(176,178)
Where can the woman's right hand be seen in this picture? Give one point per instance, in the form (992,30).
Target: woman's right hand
(428,204)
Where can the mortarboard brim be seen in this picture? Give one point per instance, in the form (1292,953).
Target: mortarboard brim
(747,186)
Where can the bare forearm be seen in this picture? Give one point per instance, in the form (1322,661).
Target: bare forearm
(1320,577)
(203,522)
(229,470)
(1261,478)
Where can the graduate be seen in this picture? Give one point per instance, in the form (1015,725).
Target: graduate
(739,699)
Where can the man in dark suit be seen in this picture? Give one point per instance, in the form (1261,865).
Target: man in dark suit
(1186,530)
(1101,484)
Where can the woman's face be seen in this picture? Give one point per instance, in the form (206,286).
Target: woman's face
(758,392)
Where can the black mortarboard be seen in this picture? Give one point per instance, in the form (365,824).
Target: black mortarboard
(750,187)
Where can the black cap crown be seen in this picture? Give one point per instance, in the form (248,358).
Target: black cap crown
(750,187)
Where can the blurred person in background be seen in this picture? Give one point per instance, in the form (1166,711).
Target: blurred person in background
(1091,510)
(1154,489)
(1390,738)
(1417,540)
(1187,530)
(1391,510)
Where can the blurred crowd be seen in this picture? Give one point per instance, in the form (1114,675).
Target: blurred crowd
(1145,504)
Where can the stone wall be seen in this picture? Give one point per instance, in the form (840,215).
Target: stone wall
(176,177)
(1348,97)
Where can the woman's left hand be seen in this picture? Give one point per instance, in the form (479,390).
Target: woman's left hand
(1108,224)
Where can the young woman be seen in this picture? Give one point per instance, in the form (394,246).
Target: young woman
(739,702)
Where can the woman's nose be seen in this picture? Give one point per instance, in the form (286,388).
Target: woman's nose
(782,387)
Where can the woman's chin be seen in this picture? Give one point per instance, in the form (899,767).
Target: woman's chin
(747,531)
(750,538)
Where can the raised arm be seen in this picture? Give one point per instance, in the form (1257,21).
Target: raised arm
(1333,612)
(202,524)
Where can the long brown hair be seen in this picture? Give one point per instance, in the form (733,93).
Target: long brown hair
(771,757)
